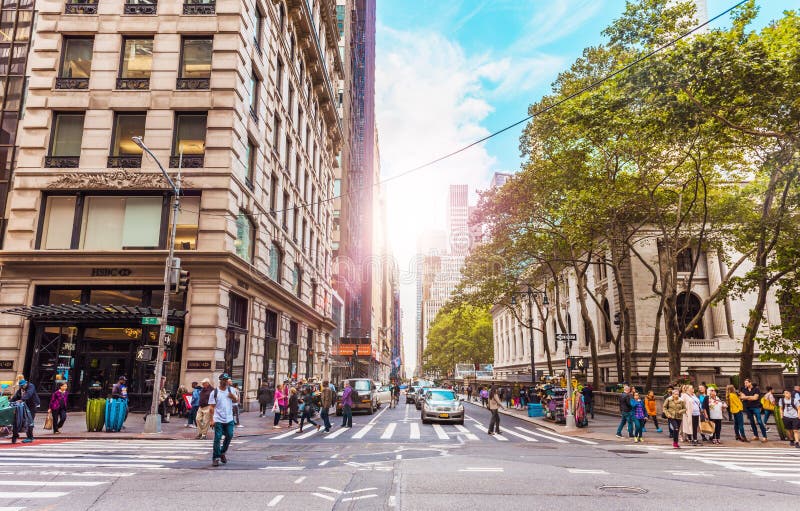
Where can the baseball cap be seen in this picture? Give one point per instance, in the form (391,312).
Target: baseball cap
(224,376)
(22,383)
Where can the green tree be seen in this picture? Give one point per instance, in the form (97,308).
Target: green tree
(459,334)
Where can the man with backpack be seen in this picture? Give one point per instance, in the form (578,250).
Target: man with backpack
(222,400)
(789,405)
(26,393)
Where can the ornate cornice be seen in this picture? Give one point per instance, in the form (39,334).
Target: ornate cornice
(111,180)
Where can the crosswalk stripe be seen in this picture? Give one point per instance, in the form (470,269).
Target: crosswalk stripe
(554,439)
(389,431)
(467,433)
(14,508)
(32,494)
(440,432)
(308,434)
(509,431)
(51,483)
(336,433)
(363,431)
(414,434)
(88,454)
(285,435)
(88,459)
(61,464)
(484,428)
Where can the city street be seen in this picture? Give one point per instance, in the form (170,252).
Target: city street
(392,461)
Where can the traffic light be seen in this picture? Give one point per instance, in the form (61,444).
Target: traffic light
(183,281)
(178,278)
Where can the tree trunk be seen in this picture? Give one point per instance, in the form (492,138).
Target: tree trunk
(617,260)
(748,342)
(587,320)
(656,339)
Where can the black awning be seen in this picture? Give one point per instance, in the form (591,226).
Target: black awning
(87,312)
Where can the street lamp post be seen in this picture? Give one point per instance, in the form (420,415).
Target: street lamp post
(531,294)
(153,421)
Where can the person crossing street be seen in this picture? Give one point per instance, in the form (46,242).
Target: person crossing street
(222,401)
(27,394)
(326,398)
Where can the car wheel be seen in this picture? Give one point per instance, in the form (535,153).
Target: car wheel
(424,420)
(371,409)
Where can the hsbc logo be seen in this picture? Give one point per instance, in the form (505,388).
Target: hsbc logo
(111,272)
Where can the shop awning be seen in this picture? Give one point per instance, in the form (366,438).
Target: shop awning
(87,312)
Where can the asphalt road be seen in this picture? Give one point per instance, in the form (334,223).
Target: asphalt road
(391,461)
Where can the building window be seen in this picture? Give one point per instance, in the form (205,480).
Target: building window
(258,28)
(293,349)
(195,68)
(65,140)
(189,140)
(685,260)
(76,63)
(288,157)
(273,194)
(199,7)
(609,335)
(80,7)
(245,238)
(58,223)
(276,133)
(297,281)
(250,159)
(279,77)
(687,306)
(137,62)
(124,152)
(286,209)
(141,7)
(127,223)
(255,84)
(188,223)
(275,262)
(309,353)
(314,291)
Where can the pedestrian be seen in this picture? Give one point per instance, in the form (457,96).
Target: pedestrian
(667,395)
(58,407)
(484,397)
(715,407)
(164,401)
(26,393)
(204,416)
(264,396)
(326,401)
(494,403)
(693,414)
(736,409)
(284,401)
(222,400)
(588,399)
(674,409)
(308,409)
(194,400)
(790,404)
(516,396)
(651,408)
(237,407)
(469,393)
(639,416)
(347,405)
(276,408)
(768,406)
(750,394)
(702,395)
(625,411)
(294,406)
(120,391)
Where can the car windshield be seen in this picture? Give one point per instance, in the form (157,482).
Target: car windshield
(441,395)
(360,384)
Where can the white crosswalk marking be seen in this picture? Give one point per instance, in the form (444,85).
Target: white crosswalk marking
(440,432)
(774,463)
(389,431)
(308,433)
(414,434)
(362,432)
(336,433)
(540,434)
(466,432)
(511,432)
(285,435)
(480,426)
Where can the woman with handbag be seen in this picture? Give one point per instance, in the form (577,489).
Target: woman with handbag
(58,407)
(715,407)
(276,407)
(294,406)
(695,411)
(674,409)
(736,409)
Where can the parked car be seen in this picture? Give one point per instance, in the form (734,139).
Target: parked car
(384,394)
(367,396)
(442,405)
(411,394)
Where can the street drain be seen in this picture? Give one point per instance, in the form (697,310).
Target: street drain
(623,490)
(626,451)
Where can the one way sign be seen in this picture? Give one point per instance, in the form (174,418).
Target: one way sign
(567,337)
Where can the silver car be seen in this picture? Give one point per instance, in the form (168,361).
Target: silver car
(384,395)
(442,405)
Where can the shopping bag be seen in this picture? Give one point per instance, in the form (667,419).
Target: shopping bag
(48,420)
(188,399)
(707,427)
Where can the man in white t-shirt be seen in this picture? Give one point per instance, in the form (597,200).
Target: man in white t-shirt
(222,400)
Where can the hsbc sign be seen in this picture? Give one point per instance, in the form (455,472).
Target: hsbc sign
(111,272)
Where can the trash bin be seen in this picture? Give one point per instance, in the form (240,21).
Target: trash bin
(535,410)
(95,414)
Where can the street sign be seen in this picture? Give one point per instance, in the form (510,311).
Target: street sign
(151,321)
(170,329)
(567,337)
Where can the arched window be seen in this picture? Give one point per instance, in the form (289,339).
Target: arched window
(275,262)
(688,305)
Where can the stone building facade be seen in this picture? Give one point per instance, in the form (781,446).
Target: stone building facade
(239,95)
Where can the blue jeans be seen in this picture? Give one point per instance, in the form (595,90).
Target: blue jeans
(191,416)
(756,413)
(325,418)
(347,416)
(738,424)
(627,418)
(222,429)
(765,416)
(639,424)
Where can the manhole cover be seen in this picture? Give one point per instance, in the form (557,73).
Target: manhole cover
(623,490)
(281,457)
(626,451)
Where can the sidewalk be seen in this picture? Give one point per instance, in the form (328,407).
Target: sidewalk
(75,428)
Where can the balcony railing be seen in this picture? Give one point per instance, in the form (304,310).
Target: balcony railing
(130,161)
(133,83)
(62,162)
(141,8)
(190,161)
(81,7)
(194,8)
(193,83)
(72,83)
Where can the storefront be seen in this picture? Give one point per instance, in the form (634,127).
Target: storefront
(90,336)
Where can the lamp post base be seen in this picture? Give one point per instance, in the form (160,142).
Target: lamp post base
(570,424)
(152,423)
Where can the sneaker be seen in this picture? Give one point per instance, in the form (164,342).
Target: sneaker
(658,430)
(192,426)
(205,437)
(763,440)
(186,426)
(619,436)
(791,443)
(768,429)
(675,445)
(215,463)
(223,459)
(240,425)
(198,437)
(797,446)
(28,441)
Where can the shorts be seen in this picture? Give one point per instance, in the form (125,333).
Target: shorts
(791,423)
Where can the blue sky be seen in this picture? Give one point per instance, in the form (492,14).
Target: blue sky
(449,72)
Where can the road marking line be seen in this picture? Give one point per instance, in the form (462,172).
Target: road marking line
(275,500)
(375,419)
(387,434)
(361,490)
(514,433)
(467,433)
(399,457)
(481,469)
(335,433)
(32,494)
(586,471)
(76,465)
(282,468)
(414,435)
(12,508)
(480,426)
(285,435)
(543,436)
(359,498)
(299,479)
(326,497)
(334,456)
(323,463)
(329,489)
(440,432)
(363,431)
(393,500)
(306,435)
(51,483)
(581,440)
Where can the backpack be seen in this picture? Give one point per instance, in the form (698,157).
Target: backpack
(767,404)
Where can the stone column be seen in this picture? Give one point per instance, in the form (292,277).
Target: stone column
(714,281)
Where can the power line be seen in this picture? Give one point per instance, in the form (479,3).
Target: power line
(544,110)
